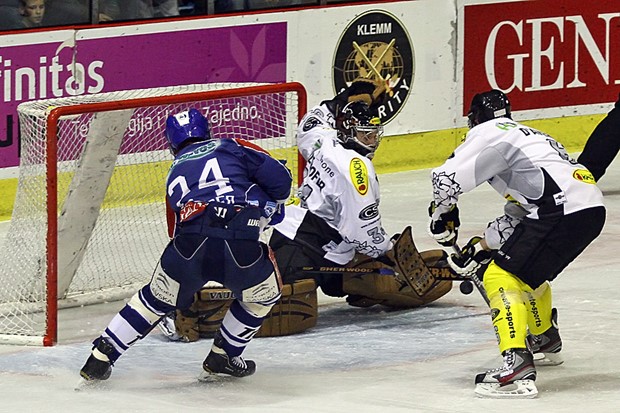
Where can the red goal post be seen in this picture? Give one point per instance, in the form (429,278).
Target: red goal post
(89,222)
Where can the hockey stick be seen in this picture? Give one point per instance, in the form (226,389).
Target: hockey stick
(346,270)
(474,279)
(381,271)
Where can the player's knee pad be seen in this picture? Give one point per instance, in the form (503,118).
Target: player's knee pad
(539,306)
(265,293)
(508,310)
(495,277)
(165,293)
(146,311)
(258,310)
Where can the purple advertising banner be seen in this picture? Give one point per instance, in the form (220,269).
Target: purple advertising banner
(250,53)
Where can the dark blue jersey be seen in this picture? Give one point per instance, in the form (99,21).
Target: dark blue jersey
(228,171)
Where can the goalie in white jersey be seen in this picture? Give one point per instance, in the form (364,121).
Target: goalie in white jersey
(338,222)
(563,213)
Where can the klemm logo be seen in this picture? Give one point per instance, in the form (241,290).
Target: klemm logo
(375,45)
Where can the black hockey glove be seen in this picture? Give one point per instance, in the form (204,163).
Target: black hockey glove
(444,229)
(472,257)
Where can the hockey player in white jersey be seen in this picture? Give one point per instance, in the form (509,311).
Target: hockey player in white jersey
(338,215)
(564,213)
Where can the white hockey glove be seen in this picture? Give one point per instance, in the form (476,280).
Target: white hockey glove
(445,228)
(473,256)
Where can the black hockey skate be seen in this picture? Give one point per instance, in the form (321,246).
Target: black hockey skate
(96,368)
(547,346)
(218,362)
(515,379)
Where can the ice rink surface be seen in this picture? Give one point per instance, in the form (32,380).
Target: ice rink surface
(357,360)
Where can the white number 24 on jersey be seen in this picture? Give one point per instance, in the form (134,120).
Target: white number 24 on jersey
(211,176)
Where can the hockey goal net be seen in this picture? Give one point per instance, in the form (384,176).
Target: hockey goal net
(89,220)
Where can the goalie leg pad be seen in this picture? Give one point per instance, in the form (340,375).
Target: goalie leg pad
(295,312)
(367,289)
(186,323)
(372,288)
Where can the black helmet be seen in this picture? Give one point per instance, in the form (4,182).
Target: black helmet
(359,129)
(488,105)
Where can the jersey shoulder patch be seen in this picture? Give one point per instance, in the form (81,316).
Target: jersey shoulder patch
(310,123)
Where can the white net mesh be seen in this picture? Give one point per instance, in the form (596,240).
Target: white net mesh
(111,210)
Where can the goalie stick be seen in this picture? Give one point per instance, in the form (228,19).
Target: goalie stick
(346,270)
(435,261)
(441,272)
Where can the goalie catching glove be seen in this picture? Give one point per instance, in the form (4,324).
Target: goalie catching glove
(473,256)
(444,227)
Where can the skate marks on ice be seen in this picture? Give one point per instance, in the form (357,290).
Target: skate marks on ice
(342,333)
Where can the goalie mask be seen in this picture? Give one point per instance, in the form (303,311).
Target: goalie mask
(488,105)
(359,129)
(185,127)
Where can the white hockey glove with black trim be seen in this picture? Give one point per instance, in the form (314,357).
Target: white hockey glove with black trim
(444,228)
(473,256)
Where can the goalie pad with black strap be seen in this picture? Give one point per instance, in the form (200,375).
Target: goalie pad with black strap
(413,284)
(295,312)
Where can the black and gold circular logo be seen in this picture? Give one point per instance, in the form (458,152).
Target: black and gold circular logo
(375,45)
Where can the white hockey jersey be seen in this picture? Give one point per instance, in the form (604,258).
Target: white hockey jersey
(519,162)
(340,186)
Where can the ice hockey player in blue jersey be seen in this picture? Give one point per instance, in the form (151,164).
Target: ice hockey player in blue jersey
(223,193)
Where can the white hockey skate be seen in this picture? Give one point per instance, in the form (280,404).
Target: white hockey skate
(514,380)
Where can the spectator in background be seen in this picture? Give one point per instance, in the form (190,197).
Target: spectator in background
(223,6)
(32,12)
(9,15)
(138,9)
(66,12)
(165,8)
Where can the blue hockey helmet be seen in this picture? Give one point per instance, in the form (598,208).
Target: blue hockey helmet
(189,125)
(488,105)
